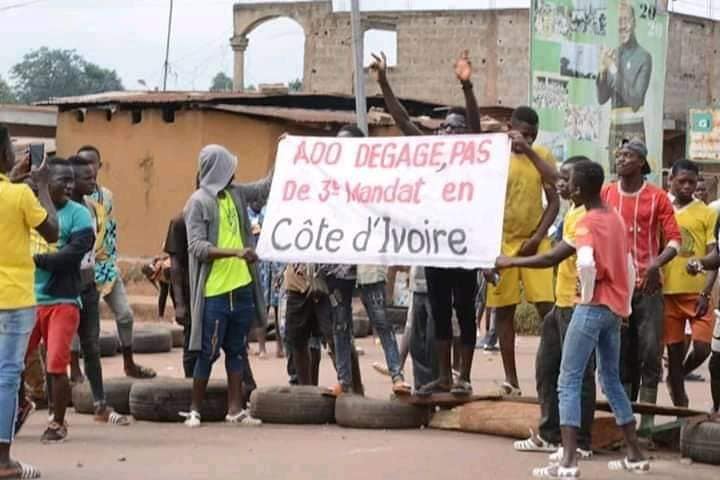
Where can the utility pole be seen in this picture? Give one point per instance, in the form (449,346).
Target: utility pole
(167,48)
(359,76)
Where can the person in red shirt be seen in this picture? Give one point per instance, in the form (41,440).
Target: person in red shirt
(607,279)
(654,238)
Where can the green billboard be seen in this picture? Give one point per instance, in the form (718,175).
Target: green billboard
(598,76)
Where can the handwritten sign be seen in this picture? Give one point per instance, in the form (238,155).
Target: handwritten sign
(431,201)
(703,137)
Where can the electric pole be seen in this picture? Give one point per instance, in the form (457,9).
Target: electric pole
(359,76)
(166,66)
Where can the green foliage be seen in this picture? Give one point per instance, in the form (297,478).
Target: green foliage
(6,93)
(46,73)
(221,83)
(296,85)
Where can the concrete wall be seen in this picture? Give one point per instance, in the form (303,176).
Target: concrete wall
(428,43)
(151,166)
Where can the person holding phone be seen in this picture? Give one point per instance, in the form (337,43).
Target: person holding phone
(20,213)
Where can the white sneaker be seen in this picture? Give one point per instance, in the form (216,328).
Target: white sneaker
(582,455)
(243,418)
(192,418)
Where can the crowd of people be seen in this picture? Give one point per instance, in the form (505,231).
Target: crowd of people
(634,264)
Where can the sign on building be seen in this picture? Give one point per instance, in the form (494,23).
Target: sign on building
(429,201)
(598,76)
(703,138)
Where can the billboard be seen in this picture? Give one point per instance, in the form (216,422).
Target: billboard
(703,137)
(598,76)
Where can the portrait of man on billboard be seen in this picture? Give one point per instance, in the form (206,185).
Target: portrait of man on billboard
(623,79)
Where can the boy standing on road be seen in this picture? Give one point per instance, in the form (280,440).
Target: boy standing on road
(57,288)
(687,297)
(554,328)
(649,217)
(607,280)
(532,171)
(224,288)
(109,282)
(20,212)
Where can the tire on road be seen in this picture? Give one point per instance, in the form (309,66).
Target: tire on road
(109,344)
(303,404)
(152,340)
(355,411)
(361,327)
(701,442)
(162,400)
(178,335)
(117,395)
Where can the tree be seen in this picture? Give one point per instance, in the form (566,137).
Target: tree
(45,73)
(296,85)
(6,93)
(221,83)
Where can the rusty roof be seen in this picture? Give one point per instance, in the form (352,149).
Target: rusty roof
(306,115)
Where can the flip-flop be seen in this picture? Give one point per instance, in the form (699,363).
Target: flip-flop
(21,471)
(556,471)
(118,419)
(641,467)
(401,388)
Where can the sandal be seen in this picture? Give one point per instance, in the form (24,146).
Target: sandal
(141,372)
(507,390)
(436,386)
(243,418)
(581,455)
(535,443)
(117,419)
(640,467)
(556,471)
(401,388)
(27,409)
(336,390)
(461,388)
(20,471)
(192,418)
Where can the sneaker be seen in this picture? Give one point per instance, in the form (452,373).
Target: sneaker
(534,443)
(55,433)
(581,454)
(192,418)
(243,418)
(488,349)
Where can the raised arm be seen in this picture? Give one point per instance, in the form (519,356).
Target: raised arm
(463,71)
(378,69)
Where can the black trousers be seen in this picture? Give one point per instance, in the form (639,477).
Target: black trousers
(448,288)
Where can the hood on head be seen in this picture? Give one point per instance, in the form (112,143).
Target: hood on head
(216,166)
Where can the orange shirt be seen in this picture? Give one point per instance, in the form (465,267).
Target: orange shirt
(603,231)
(649,217)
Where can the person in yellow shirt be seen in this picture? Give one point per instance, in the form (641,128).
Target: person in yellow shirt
(687,297)
(532,171)
(20,212)
(554,327)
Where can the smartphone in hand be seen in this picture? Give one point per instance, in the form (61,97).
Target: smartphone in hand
(37,154)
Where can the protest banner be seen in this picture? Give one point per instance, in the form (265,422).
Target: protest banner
(703,138)
(430,201)
(598,76)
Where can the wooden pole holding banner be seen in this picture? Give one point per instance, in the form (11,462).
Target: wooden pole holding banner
(359,71)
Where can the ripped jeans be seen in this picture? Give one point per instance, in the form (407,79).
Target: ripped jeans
(226,322)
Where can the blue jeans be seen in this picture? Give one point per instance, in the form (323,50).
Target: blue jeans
(341,291)
(226,322)
(373,298)
(15,329)
(593,327)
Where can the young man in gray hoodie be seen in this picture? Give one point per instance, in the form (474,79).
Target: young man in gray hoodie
(225,295)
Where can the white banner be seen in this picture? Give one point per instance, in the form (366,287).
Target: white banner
(429,201)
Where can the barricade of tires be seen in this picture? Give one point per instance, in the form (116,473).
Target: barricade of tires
(701,442)
(117,395)
(162,400)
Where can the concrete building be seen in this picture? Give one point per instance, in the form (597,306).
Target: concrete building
(30,124)
(498,39)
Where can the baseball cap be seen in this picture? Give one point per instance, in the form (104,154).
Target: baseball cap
(637,146)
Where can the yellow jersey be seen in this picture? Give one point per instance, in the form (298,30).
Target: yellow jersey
(566,284)
(697,227)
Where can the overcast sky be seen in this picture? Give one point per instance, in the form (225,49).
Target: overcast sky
(129,36)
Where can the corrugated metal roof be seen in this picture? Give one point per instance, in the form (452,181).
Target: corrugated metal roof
(306,115)
(144,97)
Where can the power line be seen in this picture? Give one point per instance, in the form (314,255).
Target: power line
(167,46)
(20,5)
